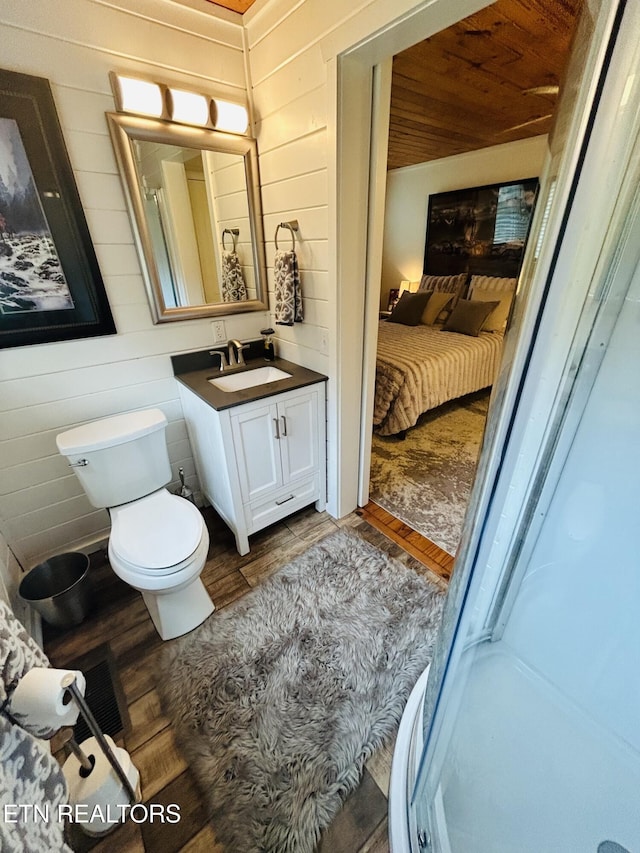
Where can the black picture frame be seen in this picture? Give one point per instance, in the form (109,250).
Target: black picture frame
(479,230)
(394,295)
(51,288)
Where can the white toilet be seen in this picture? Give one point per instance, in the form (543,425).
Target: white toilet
(158,541)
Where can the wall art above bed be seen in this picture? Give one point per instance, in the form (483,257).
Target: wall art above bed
(479,230)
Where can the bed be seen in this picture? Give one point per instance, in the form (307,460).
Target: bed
(421,366)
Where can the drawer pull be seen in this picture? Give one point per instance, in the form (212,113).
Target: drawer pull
(284,425)
(277,425)
(290,498)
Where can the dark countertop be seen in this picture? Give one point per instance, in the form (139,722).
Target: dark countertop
(196,379)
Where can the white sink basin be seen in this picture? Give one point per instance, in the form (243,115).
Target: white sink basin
(248,379)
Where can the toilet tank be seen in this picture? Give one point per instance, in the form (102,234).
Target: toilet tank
(119,459)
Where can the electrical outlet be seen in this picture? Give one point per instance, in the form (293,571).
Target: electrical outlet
(219,334)
(324,341)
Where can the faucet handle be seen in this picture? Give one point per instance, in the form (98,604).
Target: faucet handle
(222,356)
(241,353)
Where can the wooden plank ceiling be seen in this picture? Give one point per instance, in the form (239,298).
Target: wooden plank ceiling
(234,5)
(468,87)
(465,88)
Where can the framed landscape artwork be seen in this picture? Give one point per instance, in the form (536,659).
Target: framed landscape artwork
(480,230)
(50,284)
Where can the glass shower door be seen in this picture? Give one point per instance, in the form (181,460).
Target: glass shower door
(542,748)
(531,726)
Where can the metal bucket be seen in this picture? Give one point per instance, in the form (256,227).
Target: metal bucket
(59,589)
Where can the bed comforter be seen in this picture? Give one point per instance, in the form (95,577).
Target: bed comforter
(421,367)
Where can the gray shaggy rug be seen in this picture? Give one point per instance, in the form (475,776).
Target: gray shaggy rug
(278,700)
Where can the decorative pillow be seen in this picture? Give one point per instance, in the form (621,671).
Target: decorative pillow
(409,308)
(467,317)
(439,304)
(497,320)
(489,282)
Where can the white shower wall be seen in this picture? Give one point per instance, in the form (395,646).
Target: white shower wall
(546,747)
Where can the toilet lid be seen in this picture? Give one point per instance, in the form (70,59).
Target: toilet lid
(157,531)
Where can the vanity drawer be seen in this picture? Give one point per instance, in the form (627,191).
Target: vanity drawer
(261,513)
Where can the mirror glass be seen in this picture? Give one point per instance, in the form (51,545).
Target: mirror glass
(194,200)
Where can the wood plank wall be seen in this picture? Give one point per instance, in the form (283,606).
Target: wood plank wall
(290,116)
(10,576)
(48,388)
(289,45)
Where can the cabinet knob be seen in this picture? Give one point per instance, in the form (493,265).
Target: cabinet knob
(277,426)
(284,425)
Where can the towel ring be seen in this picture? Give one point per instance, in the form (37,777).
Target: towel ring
(234,233)
(292,227)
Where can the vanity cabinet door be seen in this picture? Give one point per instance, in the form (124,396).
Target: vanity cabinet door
(276,443)
(255,431)
(298,418)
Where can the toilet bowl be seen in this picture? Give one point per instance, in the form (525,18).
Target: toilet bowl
(159,545)
(158,542)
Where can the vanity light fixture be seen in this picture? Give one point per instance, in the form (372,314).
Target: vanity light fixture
(232,118)
(160,100)
(134,95)
(187,107)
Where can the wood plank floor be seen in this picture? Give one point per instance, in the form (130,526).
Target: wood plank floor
(424,550)
(121,619)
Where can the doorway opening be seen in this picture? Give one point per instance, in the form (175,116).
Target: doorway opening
(470,106)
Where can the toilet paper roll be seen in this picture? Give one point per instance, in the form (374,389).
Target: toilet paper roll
(101,787)
(39,698)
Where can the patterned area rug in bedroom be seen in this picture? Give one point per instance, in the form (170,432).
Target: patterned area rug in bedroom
(426,479)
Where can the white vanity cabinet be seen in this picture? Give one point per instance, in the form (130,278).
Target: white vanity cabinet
(260,461)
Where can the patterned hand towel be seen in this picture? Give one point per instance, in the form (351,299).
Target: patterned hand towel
(234,288)
(288,289)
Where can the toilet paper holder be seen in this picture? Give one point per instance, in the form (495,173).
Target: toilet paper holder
(69,683)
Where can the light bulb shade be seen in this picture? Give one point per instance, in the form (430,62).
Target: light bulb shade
(410,286)
(187,107)
(232,118)
(139,96)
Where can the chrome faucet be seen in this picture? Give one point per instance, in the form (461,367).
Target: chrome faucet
(222,356)
(236,356)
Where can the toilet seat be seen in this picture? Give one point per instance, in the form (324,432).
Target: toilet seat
(156,534)
(162,582)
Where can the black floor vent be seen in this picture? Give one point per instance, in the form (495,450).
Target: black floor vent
(104,694)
